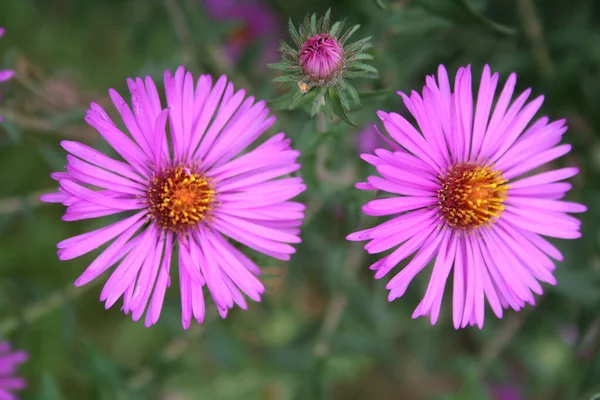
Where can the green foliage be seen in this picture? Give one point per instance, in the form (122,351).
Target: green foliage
(324,329)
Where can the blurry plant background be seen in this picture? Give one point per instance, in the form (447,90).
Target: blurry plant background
(324,329)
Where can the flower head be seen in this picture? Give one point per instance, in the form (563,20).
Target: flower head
(323,61)
(196,186)
(255,22)
(4,74)
(464,191)
(370,138)
(9,362)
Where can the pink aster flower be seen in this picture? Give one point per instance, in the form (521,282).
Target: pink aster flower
(464,191)
(183,191)
(9,362)
(4,74)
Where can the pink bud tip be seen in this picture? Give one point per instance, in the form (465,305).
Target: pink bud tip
(321,57)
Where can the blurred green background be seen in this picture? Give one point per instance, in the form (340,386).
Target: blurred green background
(324,329)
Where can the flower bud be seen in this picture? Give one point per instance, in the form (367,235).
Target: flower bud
(321,57)
(321,63)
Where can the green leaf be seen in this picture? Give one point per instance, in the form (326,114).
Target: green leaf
(375,93)
(48,388)
(381,5)
(580,285)
(281,102)
(338,108)
(494,26)
(313,24)
(463,13)
(12,131)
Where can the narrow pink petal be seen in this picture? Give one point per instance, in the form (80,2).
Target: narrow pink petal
(485,97)
(397,205)
(162,282)
(545,177)
(82,244)
(458,292)
(399,283)
(402,252)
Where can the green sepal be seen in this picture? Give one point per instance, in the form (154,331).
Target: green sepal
(364,67)
(348,33)
(286,78)
(294,34)
(283,67)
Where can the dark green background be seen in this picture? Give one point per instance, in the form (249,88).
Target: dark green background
(325,328)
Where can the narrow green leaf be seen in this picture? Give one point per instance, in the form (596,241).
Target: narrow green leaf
(48,388)
(381,5)
(12,131)
(313,24)
(494,26)
(375,93)
(281,102)
(338,108)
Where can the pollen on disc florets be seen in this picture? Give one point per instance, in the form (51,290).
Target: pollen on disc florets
(321,57)
(179,198)
(471,195)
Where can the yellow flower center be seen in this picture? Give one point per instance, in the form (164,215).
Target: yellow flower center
(180,198)
(471,195)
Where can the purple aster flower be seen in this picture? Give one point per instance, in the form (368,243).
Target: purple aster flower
(256,22)
(465,193)
(9,362)
(4,74)
(196,186)
(370,138)
(505,392)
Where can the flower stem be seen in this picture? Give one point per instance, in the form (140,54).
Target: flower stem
(535,35)
(38,310)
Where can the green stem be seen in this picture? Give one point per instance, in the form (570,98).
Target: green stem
(38,310)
